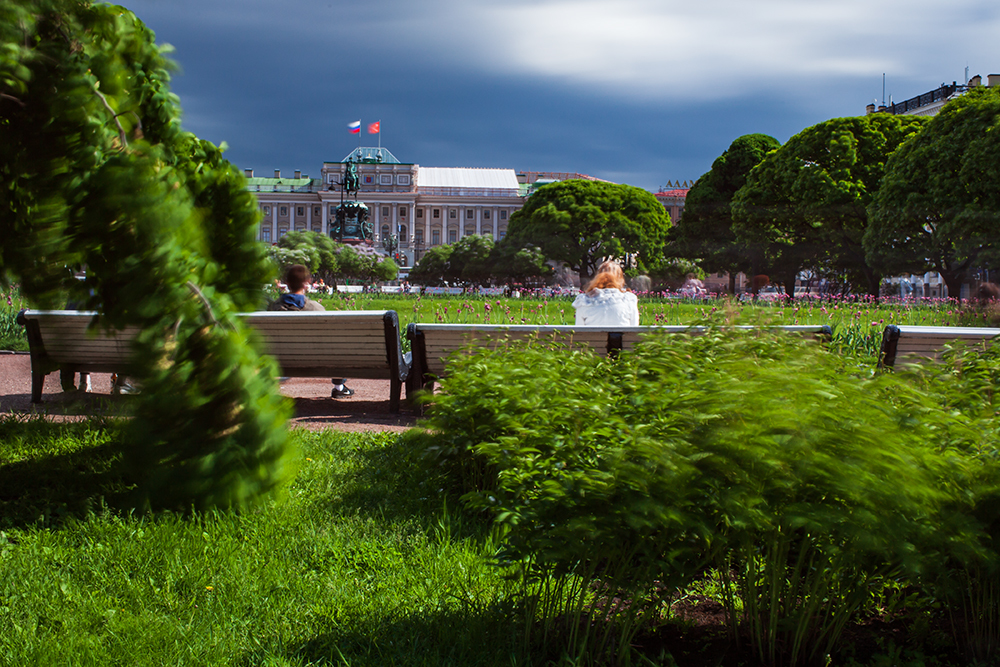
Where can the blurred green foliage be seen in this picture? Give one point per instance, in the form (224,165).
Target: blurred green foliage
(805,481)
(98,175)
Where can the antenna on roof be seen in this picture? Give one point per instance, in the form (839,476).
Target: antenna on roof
(883,88)
(966,74)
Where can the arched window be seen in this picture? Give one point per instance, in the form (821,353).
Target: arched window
(385,231)
(402,233)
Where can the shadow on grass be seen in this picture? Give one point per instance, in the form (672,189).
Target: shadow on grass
(387,479)
(466,637)
(50,472)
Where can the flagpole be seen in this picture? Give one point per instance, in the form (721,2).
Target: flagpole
(380,136)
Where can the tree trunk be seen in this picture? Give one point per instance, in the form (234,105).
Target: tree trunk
(953,281)
(874,282)
(732,283)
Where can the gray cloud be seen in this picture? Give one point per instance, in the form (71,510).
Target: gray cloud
(640,90)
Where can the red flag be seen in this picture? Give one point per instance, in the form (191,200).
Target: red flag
(373,128)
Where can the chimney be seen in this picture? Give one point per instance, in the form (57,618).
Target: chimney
(298,173)
(248,173)
(882,107)
(975,81)
(870,109)
(993,80)
(277,173)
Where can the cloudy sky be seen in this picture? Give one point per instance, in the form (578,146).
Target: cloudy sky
(635,91)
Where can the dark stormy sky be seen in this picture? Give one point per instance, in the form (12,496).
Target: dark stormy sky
(635,91)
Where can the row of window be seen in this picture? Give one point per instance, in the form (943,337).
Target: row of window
(369,179)
(470,213)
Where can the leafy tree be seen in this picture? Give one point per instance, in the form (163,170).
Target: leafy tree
(364,266)
(807,202)
(939,205)
(316,251)
(469,262)
(525,264)
(97,172)
(582,222)
(433,266)
(705,230)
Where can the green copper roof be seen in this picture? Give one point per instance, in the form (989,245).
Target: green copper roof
(295,182)
(372,155)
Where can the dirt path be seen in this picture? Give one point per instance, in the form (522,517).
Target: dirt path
(367,410)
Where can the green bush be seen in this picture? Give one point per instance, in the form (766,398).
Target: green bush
(760,455)
(966,572)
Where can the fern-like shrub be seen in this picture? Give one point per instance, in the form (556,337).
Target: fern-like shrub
(757,454)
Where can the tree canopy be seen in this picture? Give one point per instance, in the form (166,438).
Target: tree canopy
(328,260)
(939,204)
(705,231)
(98,173)
(807,202)
(581,222)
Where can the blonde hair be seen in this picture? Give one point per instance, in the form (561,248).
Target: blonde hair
(609,275)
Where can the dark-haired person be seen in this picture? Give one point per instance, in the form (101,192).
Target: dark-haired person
(606,302)
(296,279)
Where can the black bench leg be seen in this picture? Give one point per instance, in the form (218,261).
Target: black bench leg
(37,381)
(395,389)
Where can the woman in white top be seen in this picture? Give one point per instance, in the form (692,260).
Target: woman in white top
(605,303)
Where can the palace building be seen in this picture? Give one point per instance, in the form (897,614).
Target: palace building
(420,206)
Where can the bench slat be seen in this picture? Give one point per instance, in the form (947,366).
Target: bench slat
(305,344)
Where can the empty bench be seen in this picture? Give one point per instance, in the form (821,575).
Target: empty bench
(432,344)
(354,344)
(68,339)
(916,344)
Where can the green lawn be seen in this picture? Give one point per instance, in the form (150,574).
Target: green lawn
(358,563)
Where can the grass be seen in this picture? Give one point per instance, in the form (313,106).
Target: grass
(357,564)
(11,333)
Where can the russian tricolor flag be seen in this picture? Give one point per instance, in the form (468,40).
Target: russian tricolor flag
(354,127)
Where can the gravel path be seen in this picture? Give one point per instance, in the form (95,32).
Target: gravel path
(367,410)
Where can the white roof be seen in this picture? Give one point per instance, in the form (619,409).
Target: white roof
(465,177)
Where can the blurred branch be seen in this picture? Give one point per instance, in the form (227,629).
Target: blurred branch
(204,301)
(5,96)
(114,117)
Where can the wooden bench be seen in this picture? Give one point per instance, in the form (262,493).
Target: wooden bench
(915,344)
(352,344)
(432,344)
(349,343)
(67,339)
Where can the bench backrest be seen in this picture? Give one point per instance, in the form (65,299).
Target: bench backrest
(330,343)
(71,338)
(915,344)
(432,344)
(633,335)
(313,343)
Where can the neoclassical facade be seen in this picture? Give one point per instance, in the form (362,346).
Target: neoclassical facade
(421,206)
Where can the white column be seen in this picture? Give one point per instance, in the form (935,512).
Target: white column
(325,214)
(479,220)
(309,217)
(427,226)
